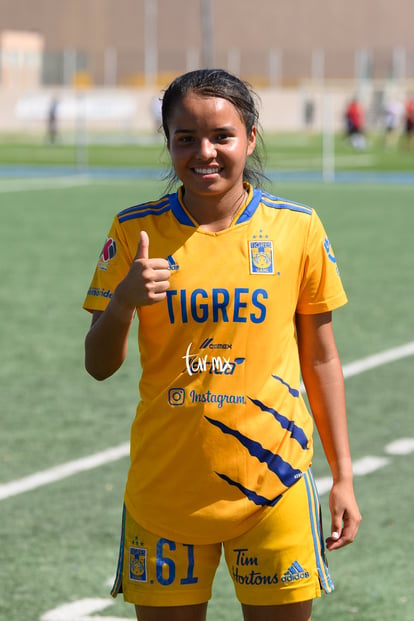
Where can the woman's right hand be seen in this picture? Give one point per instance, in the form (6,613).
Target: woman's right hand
(147,280)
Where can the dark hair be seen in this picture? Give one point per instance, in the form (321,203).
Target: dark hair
(219,83)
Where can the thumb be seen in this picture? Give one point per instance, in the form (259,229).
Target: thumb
(336,527)
(143,246)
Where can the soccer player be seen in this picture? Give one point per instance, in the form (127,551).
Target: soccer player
(233,289)
(409,122)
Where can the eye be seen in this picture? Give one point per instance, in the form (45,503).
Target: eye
(223,136)
(182,138)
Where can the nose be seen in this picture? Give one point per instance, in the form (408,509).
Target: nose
(207,150)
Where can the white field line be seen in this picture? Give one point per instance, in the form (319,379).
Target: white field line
(44,477)
(314,163)
(377,360)
(47,183)
(360,468)
(405,446)
(57,473)
(80,610)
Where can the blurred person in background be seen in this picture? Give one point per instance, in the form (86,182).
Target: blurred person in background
(393,116)
(355,124)
(52,121)
(408,136)
(309,114)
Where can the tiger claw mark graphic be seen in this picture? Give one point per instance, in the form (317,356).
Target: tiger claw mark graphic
(293,391)
(282,469)
(296,433)
(258,499)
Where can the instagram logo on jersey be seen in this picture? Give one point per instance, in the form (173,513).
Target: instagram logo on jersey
(176,396)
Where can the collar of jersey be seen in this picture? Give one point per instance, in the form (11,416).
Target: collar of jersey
(182,216)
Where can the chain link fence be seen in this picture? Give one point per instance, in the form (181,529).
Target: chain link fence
(272,68)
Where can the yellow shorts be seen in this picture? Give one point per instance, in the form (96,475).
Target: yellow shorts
(281,560)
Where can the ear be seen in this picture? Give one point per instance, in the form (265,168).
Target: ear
(251,141)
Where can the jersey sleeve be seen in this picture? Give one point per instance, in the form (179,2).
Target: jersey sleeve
(112,267)
(321,288)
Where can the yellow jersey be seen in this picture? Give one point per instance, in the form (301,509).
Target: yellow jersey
(221,429)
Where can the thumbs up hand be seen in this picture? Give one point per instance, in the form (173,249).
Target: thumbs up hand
(143,246)
(147,280)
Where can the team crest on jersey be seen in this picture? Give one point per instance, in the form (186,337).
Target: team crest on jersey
(108,253)
(138,564)
(261,257)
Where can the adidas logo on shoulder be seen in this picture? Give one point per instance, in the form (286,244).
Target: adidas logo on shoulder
(294,573)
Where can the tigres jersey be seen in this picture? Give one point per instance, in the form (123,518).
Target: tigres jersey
(221,429)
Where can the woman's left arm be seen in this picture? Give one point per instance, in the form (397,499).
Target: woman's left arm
(324,383)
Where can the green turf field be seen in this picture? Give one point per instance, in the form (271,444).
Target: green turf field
(283,152)
(59,541)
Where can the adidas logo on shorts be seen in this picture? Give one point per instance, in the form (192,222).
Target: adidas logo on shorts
(294,573)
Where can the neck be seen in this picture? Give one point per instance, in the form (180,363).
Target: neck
(215,213)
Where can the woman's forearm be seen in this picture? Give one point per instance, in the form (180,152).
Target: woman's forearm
(325,389)
(106,343)
(323,379)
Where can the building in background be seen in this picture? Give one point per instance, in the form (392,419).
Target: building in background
(269,42)
(106,60)
(21,59)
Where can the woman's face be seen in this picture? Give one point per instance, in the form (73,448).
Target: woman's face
(208,145)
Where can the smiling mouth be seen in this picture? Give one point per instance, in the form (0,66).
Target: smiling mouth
(207,171)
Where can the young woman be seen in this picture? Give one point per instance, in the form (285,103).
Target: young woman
(233,289)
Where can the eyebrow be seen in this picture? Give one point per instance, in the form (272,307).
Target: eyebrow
(227,128)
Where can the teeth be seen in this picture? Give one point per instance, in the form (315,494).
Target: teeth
(206,171)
